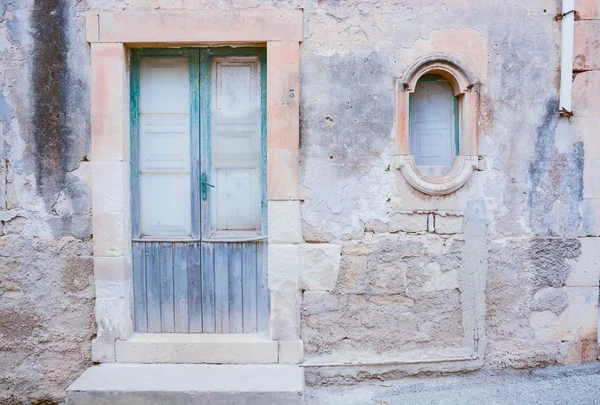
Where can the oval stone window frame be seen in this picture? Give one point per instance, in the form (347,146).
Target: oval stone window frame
(466,89)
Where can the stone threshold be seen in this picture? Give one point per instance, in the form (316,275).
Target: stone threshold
(189,384)
(205,348)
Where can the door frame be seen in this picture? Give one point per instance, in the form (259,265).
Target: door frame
(112,35)
(195,150)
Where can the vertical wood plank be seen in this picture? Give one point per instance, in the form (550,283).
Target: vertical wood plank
(153,286)
(208,288)
(235,288)
(167,314)
(139,288)
(221,252)
(263,304)
(249,286)
(195,140)
(194,288)
(180,287)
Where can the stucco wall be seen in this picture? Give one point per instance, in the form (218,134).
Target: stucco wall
(399,285)
(46,282)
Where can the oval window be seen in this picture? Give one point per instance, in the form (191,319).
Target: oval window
(433,125)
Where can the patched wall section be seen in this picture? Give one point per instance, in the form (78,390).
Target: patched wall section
(46,271)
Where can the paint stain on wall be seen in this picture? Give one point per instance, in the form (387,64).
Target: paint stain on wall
(49,82)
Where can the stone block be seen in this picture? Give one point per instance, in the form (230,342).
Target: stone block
(285,225)
(112,268)
(169,4)
(205,26)
(114,319)
(550,299)
(143,4)
(283,267)
(588,9)
(591,178)
(91,26)
(291,352)
(283,95)
(448,224)
(110,187)
(319,266)
(285,315)
(586,88)
(110,136)
(109,79)
(191,348)
(408,222)
(189,384)
(578,321)
(355,273)
(113,289)
(439,280)
(585,270)
(111,234)
(591,217)
(589,128)
(283,174)
(580,352)
(103,350)
(109,102)
(587,45)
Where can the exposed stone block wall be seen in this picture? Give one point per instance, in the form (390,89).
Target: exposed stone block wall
(374,268)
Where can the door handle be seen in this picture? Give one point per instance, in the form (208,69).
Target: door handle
(204,184)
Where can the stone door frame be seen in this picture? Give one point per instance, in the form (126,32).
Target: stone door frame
(110,35)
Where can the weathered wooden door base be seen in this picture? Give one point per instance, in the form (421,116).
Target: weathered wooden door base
(177,291)
(191,283)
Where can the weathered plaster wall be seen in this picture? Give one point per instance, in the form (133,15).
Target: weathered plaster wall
(381,267)
(534,185)
(46,283)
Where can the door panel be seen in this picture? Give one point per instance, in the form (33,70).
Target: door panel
(167,287)
(164,141)
(237,199)
(236,274)
(236,158)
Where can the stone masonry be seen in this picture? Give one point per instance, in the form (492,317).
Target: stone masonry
(502,273)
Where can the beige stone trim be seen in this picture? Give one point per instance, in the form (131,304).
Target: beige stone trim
(283,94)
(466,88)
(283,123)
(91,26)
(197,348)
(195,27)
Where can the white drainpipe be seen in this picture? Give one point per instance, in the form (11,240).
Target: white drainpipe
(566,57)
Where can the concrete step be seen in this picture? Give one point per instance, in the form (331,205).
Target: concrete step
(198,348)
(188,384)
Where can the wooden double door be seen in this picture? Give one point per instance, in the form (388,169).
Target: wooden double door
(198,178)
